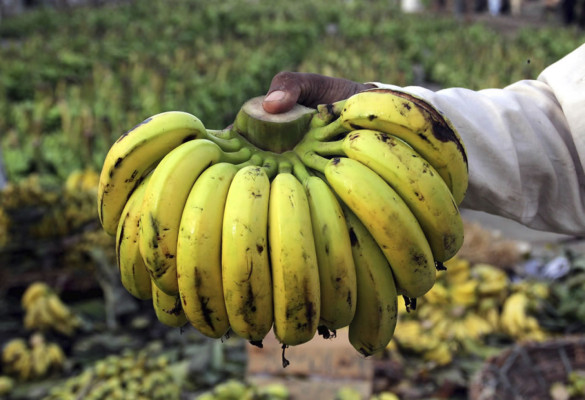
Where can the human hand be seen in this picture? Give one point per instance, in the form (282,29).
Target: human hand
(288,88)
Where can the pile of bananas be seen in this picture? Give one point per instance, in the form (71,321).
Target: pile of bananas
(35,209)
(6,385)
(234,389)
(131,376)
(467,303)
(33,360)
(304,222)
(45,311)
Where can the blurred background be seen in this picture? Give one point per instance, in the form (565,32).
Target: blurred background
(75,74)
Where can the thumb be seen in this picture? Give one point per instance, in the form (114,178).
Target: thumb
(283,94)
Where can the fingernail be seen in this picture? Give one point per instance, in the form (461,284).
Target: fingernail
(277,95)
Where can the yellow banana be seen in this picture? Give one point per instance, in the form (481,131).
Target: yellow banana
(337,274)
(134,275)
(247,285)
(134,154)
(13,349)
(39,356)
(295,272)
(199,251)
(416,181)
(389,220)
(417,123)
(56,355)
(33,292)
(376,313)
(167,308)
(163,204)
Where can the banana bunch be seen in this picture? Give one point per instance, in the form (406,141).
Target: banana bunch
(32,208)
(44,311)
(302,222)
(516,319)
(33,360)
(131,376)
(237,390)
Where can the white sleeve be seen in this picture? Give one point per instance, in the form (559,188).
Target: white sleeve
(525,145)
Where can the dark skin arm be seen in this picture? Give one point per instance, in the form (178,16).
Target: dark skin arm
(288,88)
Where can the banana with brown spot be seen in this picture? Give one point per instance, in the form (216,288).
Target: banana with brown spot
(168,308)
(295,273)
(417,183)
(389,220)
(337,274)
(164,201)
(247,284)
(133,272)
(413,120)
(135,153)
(199,251)
(376,314)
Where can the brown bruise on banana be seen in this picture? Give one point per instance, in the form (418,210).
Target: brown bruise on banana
(248,307)
(138,146)
(120,239)
(440,128)
(158,264)
(203,301)
(108,187)
(123,135)
(306,306)
(176,310)
(450,241)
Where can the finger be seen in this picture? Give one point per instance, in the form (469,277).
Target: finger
(288,88)
(283,93)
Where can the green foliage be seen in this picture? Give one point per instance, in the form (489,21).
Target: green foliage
(72,81)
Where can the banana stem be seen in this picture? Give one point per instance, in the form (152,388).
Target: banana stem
(314,161)
(237,157)
(255,160)
(226,144)
(270,165)
(331,110)
(329,148)
(298,168)
(273,132)
(221,133)
(328,132)
(284,167)
(326,113)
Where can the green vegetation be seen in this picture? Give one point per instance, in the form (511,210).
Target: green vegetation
(73,81)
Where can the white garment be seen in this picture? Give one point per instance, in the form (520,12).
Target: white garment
(525,145)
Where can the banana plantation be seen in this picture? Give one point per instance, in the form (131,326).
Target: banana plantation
(95,298)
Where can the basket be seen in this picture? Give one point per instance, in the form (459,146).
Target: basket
(527,371)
